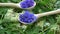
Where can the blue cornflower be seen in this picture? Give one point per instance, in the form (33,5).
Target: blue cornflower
(27,17)
(27,3)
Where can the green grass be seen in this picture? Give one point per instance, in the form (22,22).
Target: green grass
(44,25)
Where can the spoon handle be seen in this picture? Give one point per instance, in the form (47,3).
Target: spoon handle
(48,13)
(9,5)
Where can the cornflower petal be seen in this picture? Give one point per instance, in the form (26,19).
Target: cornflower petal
(27,3)
(27,17)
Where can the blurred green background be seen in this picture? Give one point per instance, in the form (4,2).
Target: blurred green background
(44,25)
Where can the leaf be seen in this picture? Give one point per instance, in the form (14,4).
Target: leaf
(3,0)
(15,1)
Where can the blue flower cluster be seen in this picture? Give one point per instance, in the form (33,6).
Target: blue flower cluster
(27,3)
(27,17)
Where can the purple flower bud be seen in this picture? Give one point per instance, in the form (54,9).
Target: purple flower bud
(27,17)
(27,3)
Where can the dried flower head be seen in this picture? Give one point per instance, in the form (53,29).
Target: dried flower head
(27,3)
(27,17)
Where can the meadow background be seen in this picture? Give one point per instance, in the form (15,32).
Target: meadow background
(44,25)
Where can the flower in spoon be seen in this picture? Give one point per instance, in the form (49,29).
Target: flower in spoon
(27,17)
(27,4)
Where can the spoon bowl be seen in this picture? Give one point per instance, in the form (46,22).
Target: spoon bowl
(25,22)
(27,8)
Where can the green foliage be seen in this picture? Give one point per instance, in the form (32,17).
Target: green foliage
(15,1)
(44,25)
(3,0)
